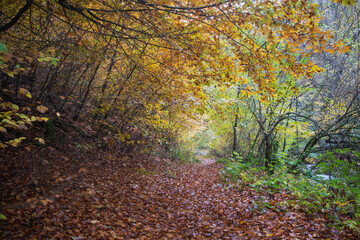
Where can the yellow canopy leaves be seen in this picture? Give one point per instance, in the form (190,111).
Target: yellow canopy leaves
(140,62)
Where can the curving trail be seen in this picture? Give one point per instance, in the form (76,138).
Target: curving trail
(137,198)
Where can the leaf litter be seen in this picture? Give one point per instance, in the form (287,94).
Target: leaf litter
(75,194)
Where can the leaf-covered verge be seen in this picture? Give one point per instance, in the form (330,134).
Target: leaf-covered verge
(313,195)
(78,191)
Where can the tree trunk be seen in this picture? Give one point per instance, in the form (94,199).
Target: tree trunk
(234,150)
(76,115)
(235,140)
(269,161)
(307,150)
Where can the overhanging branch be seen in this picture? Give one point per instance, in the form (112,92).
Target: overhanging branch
(16,18)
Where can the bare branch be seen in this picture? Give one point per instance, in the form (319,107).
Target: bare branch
(16,18)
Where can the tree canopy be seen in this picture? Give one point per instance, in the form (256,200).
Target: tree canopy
(140,66)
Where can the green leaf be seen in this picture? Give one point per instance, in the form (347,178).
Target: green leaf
(54,61)
(11,74)
(25,92)
(2,216)
(23,116)
(15,107)
(348,2)
(249,3)
(3,48)
(304,60)
(18,140)
(9,122)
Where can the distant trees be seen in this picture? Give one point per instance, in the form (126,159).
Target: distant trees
(300,117)
(334,111)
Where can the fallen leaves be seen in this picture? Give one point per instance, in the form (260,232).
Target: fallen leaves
(82,170)
(46,201)
(116,201)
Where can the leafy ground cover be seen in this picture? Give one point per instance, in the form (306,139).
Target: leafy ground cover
(79,192)
(337,201)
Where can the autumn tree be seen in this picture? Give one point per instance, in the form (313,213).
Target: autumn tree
(333,111)
(130,63)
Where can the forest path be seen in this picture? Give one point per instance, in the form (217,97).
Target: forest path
(191,202)
(202,155)
(112,197)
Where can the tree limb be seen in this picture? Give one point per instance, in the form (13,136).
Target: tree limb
(16,18)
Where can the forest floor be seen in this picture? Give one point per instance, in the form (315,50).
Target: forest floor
(75,192)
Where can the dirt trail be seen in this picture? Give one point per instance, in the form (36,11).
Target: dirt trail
(202,156)
(112,198)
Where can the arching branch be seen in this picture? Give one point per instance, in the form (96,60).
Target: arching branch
(16,18)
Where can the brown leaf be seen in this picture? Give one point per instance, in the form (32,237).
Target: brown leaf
(82,170)
(46,201)
(59,179)
(41,109)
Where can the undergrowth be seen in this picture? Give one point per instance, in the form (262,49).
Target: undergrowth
(312,195)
